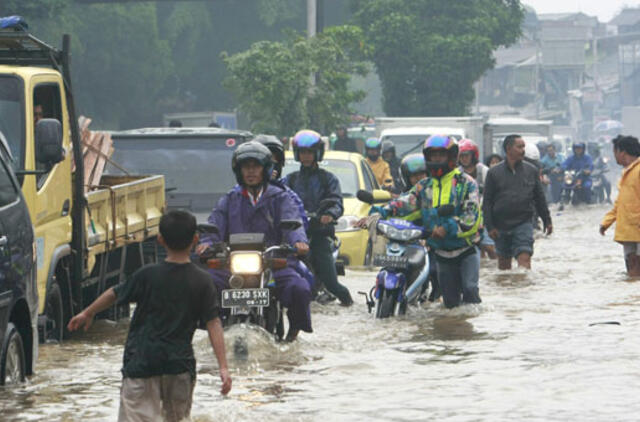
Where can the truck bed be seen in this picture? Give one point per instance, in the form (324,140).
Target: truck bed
(134,203)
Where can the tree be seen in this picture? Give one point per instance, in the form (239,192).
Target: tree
(272,80)
(429,53)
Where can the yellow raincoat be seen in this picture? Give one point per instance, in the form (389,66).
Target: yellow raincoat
(626,210)
(382,172)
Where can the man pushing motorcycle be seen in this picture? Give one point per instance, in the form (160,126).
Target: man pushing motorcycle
(257,206)
(453,234)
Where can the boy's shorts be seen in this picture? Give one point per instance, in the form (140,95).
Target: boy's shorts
(631,248)
(164,397)
(511,243)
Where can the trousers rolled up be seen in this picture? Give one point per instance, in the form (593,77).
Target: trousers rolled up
(324,267)
(292,291)
(458,278)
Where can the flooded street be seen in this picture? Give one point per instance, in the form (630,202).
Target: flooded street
(528,352)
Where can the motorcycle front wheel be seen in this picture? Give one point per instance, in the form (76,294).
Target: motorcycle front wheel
(386,304)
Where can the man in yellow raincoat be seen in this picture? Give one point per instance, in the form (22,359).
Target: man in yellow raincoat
(626,210)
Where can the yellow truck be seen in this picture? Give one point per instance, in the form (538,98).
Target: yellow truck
(87,238)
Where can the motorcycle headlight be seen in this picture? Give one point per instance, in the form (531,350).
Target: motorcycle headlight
(407,235)
(346,222)
(242,262)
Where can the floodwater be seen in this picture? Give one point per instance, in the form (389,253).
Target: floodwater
(529,352)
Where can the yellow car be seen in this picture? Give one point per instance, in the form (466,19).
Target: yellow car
(354,174)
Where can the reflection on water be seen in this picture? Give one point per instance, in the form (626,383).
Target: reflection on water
(541,346)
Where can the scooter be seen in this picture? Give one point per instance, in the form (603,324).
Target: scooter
(251,297)
(405,265)
(574,186)
(599,181)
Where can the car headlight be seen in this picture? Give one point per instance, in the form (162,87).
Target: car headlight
(346,222)
(245,262)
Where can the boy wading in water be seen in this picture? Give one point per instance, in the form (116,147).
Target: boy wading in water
(172,298)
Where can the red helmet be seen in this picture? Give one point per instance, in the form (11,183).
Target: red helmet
(467,145)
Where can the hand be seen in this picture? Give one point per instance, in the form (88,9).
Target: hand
(302,248)
(587,172)
(326,219)
(226,381)
(82,320)
(548,229)
(603,229)
(493,233)
(439,232)
(201,248)
(362,223)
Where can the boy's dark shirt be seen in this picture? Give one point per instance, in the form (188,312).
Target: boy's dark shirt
(172,299)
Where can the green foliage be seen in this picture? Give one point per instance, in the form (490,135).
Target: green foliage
(273,12)
(429,53)
(272,80)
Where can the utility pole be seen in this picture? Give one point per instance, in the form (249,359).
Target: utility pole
(312,18)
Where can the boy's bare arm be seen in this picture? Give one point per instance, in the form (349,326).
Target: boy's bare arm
(216,337)
(85,318)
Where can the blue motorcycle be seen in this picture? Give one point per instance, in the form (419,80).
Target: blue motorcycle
(405,269)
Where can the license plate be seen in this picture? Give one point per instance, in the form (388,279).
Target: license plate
(249,298)
(391,261)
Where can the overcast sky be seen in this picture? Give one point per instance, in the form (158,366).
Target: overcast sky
(605,10)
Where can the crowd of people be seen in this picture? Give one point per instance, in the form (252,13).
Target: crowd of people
(493,209)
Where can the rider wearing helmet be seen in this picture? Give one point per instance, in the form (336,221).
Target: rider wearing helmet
(257,206)
(381,170)
(552,168)
(469,160)
(582,164)
(600,167)
(413,169)
(389,155)
(320,192)
(454,233)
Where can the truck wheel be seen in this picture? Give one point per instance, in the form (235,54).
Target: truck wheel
(54,328)
(12,359)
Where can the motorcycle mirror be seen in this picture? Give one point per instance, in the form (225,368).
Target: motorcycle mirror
(206,228)
(290,224)
(365,196)
(446,210)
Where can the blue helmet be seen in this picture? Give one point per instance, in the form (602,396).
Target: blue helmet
(410,165)
(443,142)
(308,139)
(373,143)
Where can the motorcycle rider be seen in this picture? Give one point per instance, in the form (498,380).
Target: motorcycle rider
(453,237)
(600,167)
(380,168)
(469,160)
(552,168)
(313,185)
(257,206)
(582,164)
(389,155)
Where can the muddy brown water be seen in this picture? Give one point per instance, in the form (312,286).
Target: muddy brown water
(529,352)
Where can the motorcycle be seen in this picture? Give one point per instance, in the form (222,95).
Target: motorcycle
(574,185)
(405,265)
(599,181)
(251,297)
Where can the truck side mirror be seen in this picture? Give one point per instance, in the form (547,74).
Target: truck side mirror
(49,150)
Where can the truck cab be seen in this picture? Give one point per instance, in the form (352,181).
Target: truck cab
(18,292)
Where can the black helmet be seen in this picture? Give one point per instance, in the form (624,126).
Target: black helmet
(276,148)
(252,150)
(387,146)
(410,165)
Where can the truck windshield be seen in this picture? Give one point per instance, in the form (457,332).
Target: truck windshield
(406,144)
(197,171)
(12,117)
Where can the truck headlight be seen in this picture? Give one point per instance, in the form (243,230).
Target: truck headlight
(345,223)
(242,262)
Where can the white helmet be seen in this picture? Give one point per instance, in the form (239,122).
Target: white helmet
(531,151)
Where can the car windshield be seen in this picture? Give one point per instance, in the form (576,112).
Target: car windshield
(344,170)
(189,165)
(12,117)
